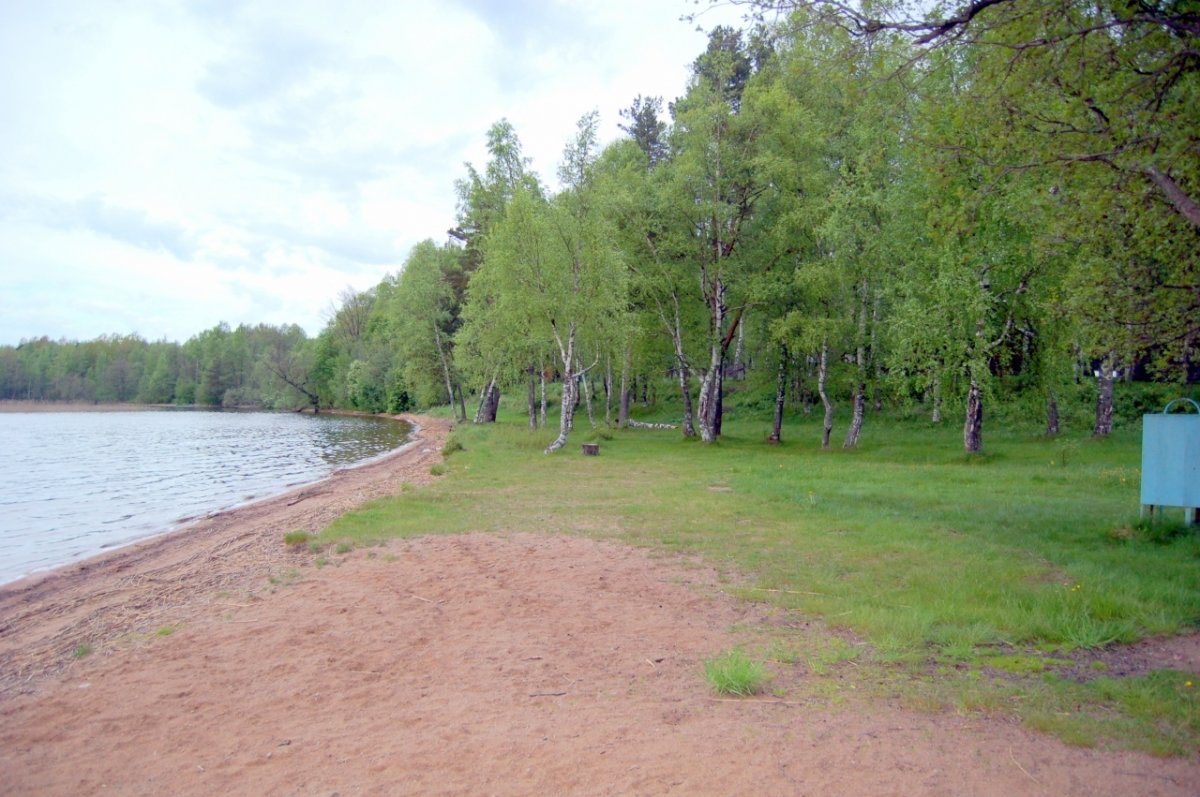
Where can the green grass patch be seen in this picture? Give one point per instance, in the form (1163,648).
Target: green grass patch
(933,560)
(734,673)
(1022,664)
(294,539)
(1158,713)
(82,651)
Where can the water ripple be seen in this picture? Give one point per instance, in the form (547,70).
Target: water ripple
(73,484)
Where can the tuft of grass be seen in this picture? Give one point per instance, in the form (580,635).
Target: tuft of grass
(82,650)
(734,673)
(438,470)
(344,547)
(294,539)
(166,630)
(1164,532)
(452,445)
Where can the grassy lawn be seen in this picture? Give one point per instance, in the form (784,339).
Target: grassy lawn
(940,580)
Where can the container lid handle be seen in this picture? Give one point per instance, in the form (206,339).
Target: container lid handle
(1173,402)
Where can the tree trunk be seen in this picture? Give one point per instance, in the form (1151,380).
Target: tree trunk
(608,390)
(856,420)
(800,393)
(860,361)
(936,417)
(710,386)
(719,410)
(570,386)
(493,406)
(683,370)
(462,404)
(623,407)
(532,402)
(973,427)
(822,372)
(685,393)
(587,400)
(483,397)
(1051,414)
(437,339)
(780,396)
(739,364)
(1104,397)
(489,402)
(707,410)
(1179,199)
(542,380)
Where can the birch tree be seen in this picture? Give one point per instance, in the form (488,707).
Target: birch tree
(712,199)
(550,272)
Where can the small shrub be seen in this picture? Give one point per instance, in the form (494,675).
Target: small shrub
(452,444)
(438,470)
(344,547)
(733,673)
(296,538)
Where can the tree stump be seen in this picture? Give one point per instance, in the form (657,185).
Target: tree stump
(591,449)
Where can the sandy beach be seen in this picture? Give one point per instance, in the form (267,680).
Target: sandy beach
(507,664)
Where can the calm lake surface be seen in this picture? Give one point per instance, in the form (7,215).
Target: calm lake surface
(73,484)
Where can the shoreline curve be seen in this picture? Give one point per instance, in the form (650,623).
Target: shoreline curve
(45,616)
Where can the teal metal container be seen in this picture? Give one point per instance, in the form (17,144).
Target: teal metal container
(1171,461)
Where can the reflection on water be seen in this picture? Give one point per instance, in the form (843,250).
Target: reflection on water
(72,484)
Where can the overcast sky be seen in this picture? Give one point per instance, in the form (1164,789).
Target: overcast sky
(165,166)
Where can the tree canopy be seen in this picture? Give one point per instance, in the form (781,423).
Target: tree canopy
(992,200)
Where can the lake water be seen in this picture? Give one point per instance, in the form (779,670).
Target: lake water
(73,484)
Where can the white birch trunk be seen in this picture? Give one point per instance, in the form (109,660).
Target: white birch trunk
(822,372)
(710,386)
(569,391)
(542,415)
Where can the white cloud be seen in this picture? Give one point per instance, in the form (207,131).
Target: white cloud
(166,166)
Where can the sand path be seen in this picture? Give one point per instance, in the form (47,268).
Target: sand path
(511,664)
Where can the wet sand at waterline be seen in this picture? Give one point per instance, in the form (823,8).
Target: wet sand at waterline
(508,664)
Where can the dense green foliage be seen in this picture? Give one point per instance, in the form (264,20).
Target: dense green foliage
(219,367)
(983,208)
